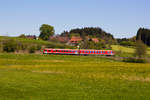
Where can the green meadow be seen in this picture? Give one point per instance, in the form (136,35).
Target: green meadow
(64,77)
(124,51)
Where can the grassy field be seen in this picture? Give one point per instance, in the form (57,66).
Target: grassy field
(32,41)
(59,77)
(127,51)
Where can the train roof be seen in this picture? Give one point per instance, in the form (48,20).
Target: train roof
(72,49)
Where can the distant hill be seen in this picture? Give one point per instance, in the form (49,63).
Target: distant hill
(91,32)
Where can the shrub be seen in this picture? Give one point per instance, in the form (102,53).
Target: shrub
(32,49)
(9,46)
(1,46)
(127,43)
(134,60)
(140,49)
(38,47)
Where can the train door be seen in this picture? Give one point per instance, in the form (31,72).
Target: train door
(76,52)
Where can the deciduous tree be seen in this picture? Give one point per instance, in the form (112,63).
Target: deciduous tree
(46,31)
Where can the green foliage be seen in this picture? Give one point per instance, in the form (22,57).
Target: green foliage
(12,44)
(91,32)
(46,31)
(1,47)
(74,34)
(22,36)
(32,49)
(91,45)
(140,49)
(134,60)
(127,43)
(39,47)
(144,35)
(9,46)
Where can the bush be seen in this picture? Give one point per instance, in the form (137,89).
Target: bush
(127,43)
(134,60)
(38,47)
(140,49)
(1,46)
(32,49)
(9,46)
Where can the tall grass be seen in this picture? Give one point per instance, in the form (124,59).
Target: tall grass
(61,77)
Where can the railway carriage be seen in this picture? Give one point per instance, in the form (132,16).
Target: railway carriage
(78,52)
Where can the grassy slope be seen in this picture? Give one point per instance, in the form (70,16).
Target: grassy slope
(58,77)
(41,42)
(127,49)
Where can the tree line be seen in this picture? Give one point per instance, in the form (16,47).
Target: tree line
(144,35)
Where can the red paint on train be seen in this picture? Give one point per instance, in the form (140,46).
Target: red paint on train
(77,52)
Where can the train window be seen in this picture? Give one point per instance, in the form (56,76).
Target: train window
(70,50)
(95,51)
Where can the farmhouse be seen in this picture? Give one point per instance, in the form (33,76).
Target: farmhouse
(74,40)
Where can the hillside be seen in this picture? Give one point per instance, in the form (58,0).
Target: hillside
(127,51)
(94,32)
(24,44)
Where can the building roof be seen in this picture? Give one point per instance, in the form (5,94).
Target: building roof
(75,39)
(95,40)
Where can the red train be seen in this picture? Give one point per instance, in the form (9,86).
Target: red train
(78,52)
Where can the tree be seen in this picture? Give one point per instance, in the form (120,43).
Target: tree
(140,48)
(22,36)
(144,35)
(46,31)
(91,31)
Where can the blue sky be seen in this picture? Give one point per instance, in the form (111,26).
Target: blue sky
(122,18)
